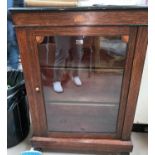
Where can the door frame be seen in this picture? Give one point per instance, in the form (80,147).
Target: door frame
(32,73)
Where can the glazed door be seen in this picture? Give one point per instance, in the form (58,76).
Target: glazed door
(85,73)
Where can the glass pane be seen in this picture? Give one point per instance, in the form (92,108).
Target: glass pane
(82,80)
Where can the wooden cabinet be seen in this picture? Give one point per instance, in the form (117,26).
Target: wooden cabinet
(96,116)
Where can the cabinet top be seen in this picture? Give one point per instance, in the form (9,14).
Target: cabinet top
(80,16)
(76,9)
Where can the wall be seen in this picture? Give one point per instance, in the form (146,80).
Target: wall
(142,105)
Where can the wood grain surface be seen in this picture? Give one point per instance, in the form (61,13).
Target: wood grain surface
(132,17)
(89,145)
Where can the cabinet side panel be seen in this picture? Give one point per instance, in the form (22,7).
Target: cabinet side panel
(127,76)
(137,69)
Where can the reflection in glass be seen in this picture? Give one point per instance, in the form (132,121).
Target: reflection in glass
(82,80)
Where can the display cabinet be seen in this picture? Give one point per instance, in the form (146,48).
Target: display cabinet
(105,47)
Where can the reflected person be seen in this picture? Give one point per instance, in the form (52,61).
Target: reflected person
(63,45)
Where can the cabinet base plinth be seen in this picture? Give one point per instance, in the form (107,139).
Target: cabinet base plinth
(83,145)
